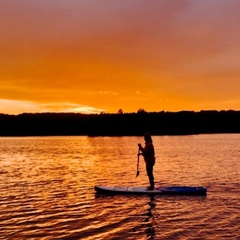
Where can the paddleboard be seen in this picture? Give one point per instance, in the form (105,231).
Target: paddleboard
(173,190)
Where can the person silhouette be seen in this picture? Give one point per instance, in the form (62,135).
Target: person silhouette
(148,154)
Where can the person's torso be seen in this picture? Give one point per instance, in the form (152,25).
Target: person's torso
(149,153)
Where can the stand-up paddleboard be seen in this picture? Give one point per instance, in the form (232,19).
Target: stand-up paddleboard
(174,190)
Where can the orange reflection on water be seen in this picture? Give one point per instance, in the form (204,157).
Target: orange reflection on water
(48,187)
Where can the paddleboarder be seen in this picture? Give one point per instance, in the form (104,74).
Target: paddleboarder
(149,157)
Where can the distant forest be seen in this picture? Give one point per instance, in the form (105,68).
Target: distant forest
(120,124)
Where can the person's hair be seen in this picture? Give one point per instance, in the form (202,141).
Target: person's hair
(147,137)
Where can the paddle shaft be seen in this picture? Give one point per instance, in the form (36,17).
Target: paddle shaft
(138,172)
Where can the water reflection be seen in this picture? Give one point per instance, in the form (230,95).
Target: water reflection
(150,226)
(47,188)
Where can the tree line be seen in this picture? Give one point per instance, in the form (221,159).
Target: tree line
(127,124)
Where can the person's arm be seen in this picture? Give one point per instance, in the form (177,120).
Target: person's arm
(146,150)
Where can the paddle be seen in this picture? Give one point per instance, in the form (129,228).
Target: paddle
(138,172)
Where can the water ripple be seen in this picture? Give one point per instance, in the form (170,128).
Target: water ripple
(47,188)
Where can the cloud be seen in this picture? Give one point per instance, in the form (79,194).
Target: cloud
(16,107)
(71,107)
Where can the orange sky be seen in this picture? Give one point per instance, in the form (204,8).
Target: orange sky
(91,56)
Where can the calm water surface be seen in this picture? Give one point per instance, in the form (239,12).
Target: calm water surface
(47,188)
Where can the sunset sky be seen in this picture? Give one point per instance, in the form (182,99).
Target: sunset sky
(93,56)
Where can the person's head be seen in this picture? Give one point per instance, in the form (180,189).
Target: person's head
(147,137)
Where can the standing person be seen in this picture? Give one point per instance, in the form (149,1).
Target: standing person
(149,158)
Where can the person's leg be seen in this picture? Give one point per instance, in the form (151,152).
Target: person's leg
(149,168)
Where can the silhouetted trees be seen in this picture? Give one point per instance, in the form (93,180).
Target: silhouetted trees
(120,111)
(141,110)
(123,124)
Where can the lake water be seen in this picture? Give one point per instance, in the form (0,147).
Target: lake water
(47,188)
